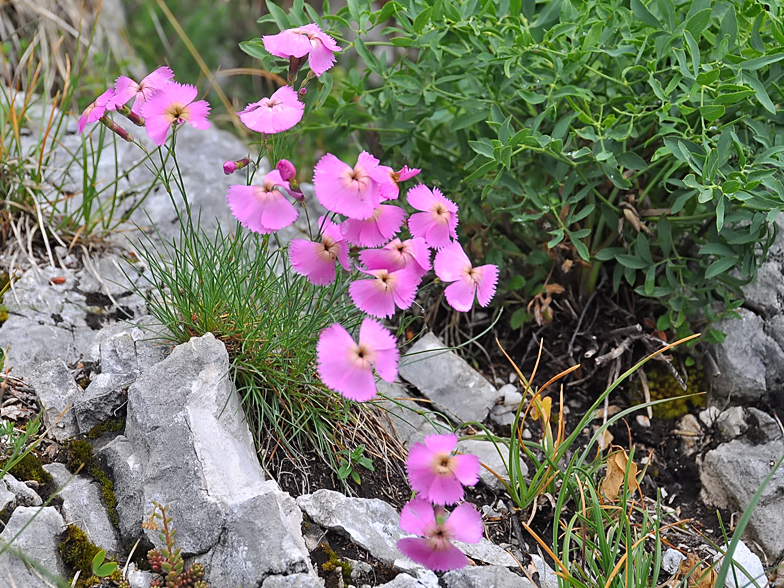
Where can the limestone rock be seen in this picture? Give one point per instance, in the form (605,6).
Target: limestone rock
(83,507)
(186,444)
(489,456)
(25,496)
(751,362)
(485,577)
(746,571)
(409,420)
(292,581)
(733,472)
(445,378)
(732,422)
(57,392)
(38,542)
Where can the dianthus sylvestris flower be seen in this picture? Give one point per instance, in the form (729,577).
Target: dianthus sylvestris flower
(412,254)
(452,265)
(286,169)
(347,367)
(353,192)
(377,229)
(316,260)
(437,223)
(96,110)
(391,190)
(262,209)
(307,40)
(436,473)
(275,114)
(174,104)
(229,167)
(125,88)
(386,289)
(434,549)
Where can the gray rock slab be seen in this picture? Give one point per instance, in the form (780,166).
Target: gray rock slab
(732,422)
(84,507)
(733,472)
(375,525)
(101,400)
(445,378)
(751,362)
(38,542)
(266,530)
(57,392)
(485,577)
(25,496)
(762,426)
(293,581)
(186,444)
(406,581)
(410,421)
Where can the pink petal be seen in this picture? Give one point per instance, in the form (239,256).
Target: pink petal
(421,253)
(486,277)
(419,551)
(157,127)
(321,57)
(418,517)
(308,259)
(158,78)
(378,338)
(380,227)
(275,114)
(445,443)
(444,489)
(337,192)
(245,206)
(383,258)
(460,295)
(420,197)
(337,366)
(466,469)
(278,212)
(439,234)
(419,467)
(197,113)
(451,263)
(465,524)
(124,89)
(286,169)
(372,297)
(405,287)
(289,43)
(314,31)
(406,173)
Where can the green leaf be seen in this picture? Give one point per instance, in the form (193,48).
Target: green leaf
(712,112)
(468,119)
(422,19)
(760,92)
(366,55)
(650,280)
(631,261)
(729,26)
(388,10)
(706,78)
(326,88)
(519,318)
(483,147)
(280,17)
(698,23)
(582,250)
(720,266)
(482,171)
(401,41)
(631,160)
(760,62)
(254,48)
(642,13)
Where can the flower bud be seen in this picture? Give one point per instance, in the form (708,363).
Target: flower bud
(229,167)
(303,91)
(116,129)
(286,169)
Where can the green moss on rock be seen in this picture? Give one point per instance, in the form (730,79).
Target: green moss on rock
(110,426)
(31,468)
(80,453)
(663,385)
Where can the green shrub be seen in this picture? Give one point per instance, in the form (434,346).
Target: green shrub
(641,137)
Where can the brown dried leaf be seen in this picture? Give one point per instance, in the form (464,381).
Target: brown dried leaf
(16,412)
(699,576)
(616,472)
(605,439)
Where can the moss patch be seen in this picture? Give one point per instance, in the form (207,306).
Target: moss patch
(30,468)
(663,385)
(110,426)
(78,553)
(80,453)
(331,562)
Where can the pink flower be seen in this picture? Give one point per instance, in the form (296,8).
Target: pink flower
(436,473)
(306,40)
(379,295)
(346,367)
(354,192)
(437,221)
(275,114)
(174,104)
(390,190)
(377,229)
(452,265)
(125,88)
(412,254)
(434,549)
(262,209)
(96,110)
(286,169)
(316,260)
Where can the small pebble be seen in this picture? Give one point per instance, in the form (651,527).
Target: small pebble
(527,434)
(513,378)
(643,420)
